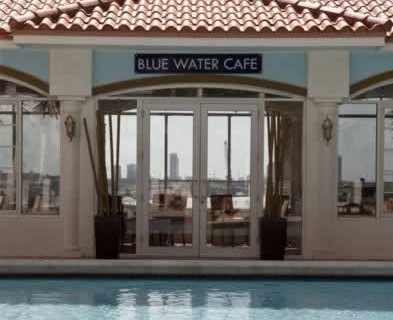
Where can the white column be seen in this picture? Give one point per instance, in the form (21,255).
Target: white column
(328,84)
(311,177)
(327,209)
(70,177)
(87,192)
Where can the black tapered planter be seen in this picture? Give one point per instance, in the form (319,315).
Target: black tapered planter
(273,232)
(107,235)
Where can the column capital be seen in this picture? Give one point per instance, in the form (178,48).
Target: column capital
(71,106)
(71,98)
(321,100)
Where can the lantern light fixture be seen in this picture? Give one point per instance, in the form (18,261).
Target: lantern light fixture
(70,125)
(327,129)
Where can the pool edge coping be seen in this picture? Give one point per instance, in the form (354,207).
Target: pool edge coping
(194,268)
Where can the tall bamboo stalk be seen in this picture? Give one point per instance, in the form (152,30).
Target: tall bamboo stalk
(101,161)
(269,185)
(278,133)
(98,191)
(277,164)
(117,164)
(112,164)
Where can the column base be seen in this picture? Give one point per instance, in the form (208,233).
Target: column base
(72,252)
(324,254)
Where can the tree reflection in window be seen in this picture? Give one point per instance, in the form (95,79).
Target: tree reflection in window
(41,158)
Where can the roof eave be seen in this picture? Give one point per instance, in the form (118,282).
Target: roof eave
(6,40)
(334,40)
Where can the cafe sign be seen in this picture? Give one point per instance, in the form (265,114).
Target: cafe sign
(198,63)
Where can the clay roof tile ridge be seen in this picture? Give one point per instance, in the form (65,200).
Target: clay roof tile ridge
(333,9)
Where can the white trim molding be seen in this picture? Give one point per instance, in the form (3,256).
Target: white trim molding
(8,44)
(56,40)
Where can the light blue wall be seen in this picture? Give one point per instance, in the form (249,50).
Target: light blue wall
(118,65)
(366,64)
(33,62)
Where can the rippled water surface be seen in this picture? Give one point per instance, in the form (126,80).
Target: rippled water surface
(170,299)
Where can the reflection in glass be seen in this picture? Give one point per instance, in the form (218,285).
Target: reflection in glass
(388,162)
(283,193)
(229,181)
(6,135)
(7,115)
(357,159)
(41,160)
(127,163)
(171,178)
(7,157)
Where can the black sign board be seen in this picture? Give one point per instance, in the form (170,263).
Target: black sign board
(198,63)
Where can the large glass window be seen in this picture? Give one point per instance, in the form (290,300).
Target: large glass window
(29,156)
(365,154)
(41,158)
(283,167)
(127,162)
(388,161)
(7,158)
(357,140)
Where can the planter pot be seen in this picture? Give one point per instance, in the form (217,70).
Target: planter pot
(273,233)
(107,235)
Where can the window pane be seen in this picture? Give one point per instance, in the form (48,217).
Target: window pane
(171,178)
(7,115)
(41,159)
(7,189)
(357,159)
(388,161)
(6,135)
(7,158)
(157,147)
(229,180)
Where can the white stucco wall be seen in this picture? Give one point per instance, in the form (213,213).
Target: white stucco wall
(325,235)
(31,236)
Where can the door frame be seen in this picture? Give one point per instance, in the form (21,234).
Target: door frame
(254,108)
(199,105)
(167,105)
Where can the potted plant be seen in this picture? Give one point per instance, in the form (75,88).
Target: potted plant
(108,221)
(273,225)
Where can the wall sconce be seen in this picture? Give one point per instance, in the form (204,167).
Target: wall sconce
(327,129)
(69,124)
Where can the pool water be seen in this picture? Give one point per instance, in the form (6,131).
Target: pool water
(174,299)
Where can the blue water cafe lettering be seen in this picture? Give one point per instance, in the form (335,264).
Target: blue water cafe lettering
(198,63)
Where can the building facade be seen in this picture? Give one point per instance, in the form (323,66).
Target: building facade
(222,111)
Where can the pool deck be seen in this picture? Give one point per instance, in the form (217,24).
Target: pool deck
(197,268)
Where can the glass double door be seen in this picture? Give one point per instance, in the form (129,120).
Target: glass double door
(200,178)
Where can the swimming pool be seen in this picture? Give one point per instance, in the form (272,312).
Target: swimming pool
(174,299)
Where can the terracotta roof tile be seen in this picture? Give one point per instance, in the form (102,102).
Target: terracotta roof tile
(258,16)
(381,9)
